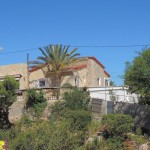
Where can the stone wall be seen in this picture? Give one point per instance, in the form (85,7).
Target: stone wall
(141,114)
(95,71)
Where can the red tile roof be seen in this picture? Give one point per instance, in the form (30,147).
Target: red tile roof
(78,67)
(34,69)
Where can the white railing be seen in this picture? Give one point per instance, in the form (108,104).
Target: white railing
(20,98)
(51,98)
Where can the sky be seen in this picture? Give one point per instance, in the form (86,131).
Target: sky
(113,31)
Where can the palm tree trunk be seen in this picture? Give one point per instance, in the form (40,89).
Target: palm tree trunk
(58,83)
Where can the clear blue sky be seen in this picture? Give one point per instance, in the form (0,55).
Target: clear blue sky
(35,23)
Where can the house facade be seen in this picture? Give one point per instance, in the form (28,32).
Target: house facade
(85,72)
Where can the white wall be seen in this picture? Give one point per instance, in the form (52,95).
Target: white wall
(120,93)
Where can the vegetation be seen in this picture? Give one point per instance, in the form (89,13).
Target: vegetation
(74,109)
(66,131)
(77,99)
(8,95)
(117,125)
(36,102)
(78,119)
(69,126)
(56,58)
(41,135)
(137,76)
(112,83)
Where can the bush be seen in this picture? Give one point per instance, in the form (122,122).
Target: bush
(94,127)
(94,145)
(77,99)
(117,125)
(34,137)
(36,102)
(42,135)
(8,95)
(33,97)
(56,110)
(78,119)
(63,139)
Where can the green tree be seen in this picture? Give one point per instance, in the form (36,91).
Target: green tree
(137,76)
(8,95)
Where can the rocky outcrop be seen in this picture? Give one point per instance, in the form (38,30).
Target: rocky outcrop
(16,110)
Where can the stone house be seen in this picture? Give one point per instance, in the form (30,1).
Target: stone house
(85,72)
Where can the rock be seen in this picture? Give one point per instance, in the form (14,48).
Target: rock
(16,111)
(144,147)
(130,145)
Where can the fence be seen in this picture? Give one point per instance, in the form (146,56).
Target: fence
(116,93)
(101,106)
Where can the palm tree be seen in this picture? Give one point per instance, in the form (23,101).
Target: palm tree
(56,59)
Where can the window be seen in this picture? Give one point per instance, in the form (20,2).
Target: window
(106,80)
(84,80)
(44,82)
(76,79)
(98,81)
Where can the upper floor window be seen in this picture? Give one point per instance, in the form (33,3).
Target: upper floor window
(99,81)
(106,81)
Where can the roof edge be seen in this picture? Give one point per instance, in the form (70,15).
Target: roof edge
(106,73)
(98,62)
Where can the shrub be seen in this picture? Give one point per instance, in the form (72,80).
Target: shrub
(42,135)
(8,95)
(78,119)
(62,138)
(33,97)
(94,127)
(34,137)
(77,99)
(94,145)
(36,102)
(114,143)
(117,125)
(56,110)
